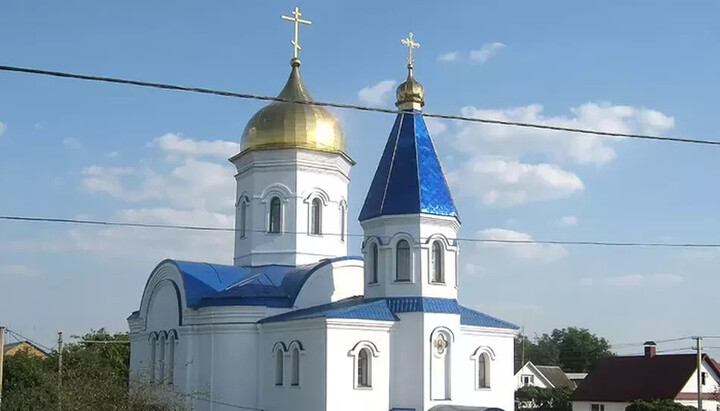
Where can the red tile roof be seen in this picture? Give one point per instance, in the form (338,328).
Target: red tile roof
(624,379)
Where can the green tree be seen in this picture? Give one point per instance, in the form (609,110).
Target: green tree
(94,377)
(573,349)
(658,405)
(556,399)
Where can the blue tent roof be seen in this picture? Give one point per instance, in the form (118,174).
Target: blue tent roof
(386,309)
(268,285)
(409,178)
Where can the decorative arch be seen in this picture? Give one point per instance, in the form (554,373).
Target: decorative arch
(295,344)
(403,258)
(279,346)
(364,344)
(438,237)
(166,270)
(371,257)
(316,192)
(242,198)
(153,336)
(296,350)
(276,190)
(173,333)
(483,350)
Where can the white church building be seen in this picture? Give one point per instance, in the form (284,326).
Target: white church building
(298,324)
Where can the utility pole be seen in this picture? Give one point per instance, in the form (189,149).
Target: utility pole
(699,371)
(2,358)
(60,347)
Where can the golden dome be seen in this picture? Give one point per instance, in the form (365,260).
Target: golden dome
(288,125)
(410,93)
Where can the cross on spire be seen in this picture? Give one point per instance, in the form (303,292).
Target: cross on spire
(410,44)
(296,20)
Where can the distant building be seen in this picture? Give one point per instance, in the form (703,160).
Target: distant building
(576,377)
(14,348)
(615,382)
(542,376)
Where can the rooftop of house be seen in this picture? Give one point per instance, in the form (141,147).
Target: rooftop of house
(644,377)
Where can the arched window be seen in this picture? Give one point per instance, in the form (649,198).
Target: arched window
(483,369)
(153,350)
(172,339)
(295,367)
(161,359)
(242,218)
(343,211)
(436,263)
(275,215)
(403,261)
(363,368)
(315,216)
(374,263)
(279,367)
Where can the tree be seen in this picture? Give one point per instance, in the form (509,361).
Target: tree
(557,399)
(573,349)
(658,405)
(94,377)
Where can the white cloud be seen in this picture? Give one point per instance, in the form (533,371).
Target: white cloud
(449,56)
(3,127)
(568,220)
(71,142)
(502,183)
(435,126)
(635,280)
(112,154)
(517,142)
(17,270)
(521,250)
(174,144)
(486,52)
(377,95)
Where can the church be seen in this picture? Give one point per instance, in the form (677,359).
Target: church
(298,324)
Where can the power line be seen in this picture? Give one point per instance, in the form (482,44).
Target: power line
(225,93)
(19,336)
(460,239)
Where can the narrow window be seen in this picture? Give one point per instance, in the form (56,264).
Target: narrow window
(483,372)
(295,367)
(402,263)
(278,367)
(161,360)
(275,215)
(315,216)
(243,219)
(153,350)
(171,359)
(342,222)
(702,378)
(436,263)
(363,368)
(374,263)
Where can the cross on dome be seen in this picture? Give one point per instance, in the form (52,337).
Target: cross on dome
(410,44)
(296,41)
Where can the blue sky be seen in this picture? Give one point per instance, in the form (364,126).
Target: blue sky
(72,148)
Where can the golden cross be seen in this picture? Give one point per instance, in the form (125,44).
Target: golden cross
(297,20)
(408,41)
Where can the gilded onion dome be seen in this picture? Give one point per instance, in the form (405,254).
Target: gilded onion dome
(288,125)
(410,93)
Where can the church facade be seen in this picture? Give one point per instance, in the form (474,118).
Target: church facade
(297,324)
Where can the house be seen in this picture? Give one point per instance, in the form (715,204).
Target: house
(14,348)
(542,376)
(614,382)
(576,377)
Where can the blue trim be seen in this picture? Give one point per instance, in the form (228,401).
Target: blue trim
(386,309)
(409,178)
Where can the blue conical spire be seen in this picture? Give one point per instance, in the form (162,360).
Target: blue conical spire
(409,178)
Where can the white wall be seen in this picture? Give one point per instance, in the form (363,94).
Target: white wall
(609,406)
(331,283)
(342,394)
(295,175)
(310,395)
(406,362)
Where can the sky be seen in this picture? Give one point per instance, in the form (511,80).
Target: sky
(74,149)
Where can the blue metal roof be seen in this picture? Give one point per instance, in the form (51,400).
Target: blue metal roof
(269,285)
(409,178)
(386,309)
